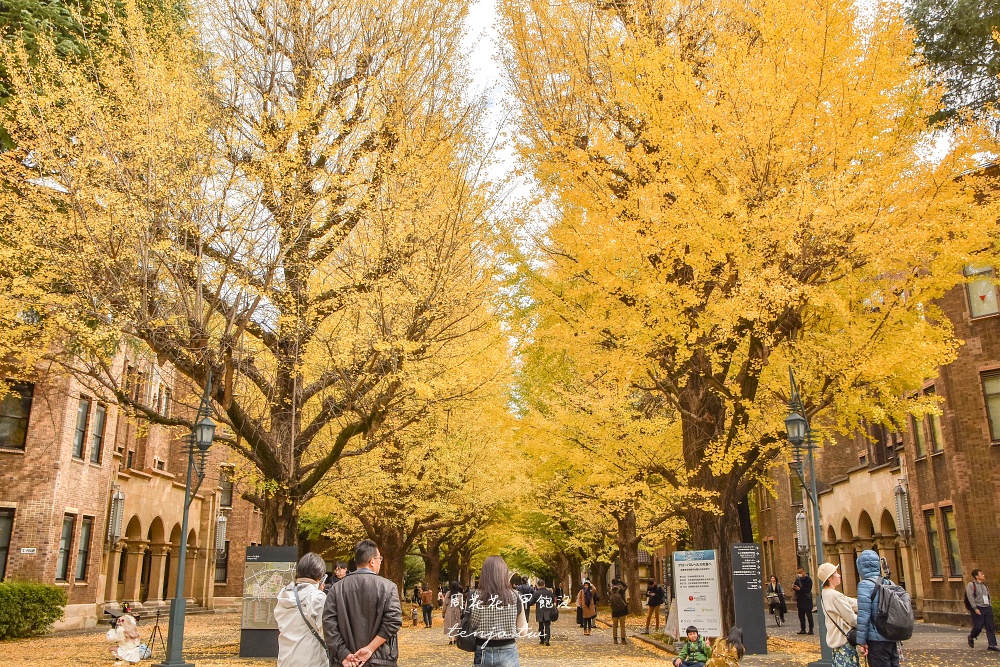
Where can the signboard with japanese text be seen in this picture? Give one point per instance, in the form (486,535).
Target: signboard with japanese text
(748,596)
(696,582)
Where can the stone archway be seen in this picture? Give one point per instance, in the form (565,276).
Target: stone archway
(157,574)
(132,566)
(866,531)
(848,558)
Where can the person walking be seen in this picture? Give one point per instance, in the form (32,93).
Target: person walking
(416,595)
(654,600)
(586,601)
(525,590)
(557,591)
(803,588)
(427,605)
(977,601)
(619,611)
(453,606)
(880,651)
(841,615)
(545,604)
(776,600)
(299,615)
(496,617)
(362,615)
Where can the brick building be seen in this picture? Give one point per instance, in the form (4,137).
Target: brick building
(948,464)
(67,458)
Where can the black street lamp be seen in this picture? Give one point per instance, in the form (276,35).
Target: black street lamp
(201,439)
(800,435)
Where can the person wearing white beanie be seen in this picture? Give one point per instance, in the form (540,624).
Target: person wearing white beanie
(842,613)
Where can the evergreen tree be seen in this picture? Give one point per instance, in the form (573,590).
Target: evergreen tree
(956,37)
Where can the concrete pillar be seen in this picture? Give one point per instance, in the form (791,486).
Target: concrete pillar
(114,562)
(191,575)
(850,583)
(133,570)
(156,573)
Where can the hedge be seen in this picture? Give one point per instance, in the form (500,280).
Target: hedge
(29,609)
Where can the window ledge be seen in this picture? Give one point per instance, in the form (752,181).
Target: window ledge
(923,457)
(14,450)
(938,579)
(76,459)
(99,466)
(982,317)
(937,453)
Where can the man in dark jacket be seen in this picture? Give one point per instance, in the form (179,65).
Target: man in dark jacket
(803,588)
(363,614)
(545,603)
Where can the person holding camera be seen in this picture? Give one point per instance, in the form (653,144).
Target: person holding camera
(299,615)
(125,635)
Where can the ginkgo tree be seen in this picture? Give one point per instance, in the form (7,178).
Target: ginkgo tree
(732,188)
(288,198)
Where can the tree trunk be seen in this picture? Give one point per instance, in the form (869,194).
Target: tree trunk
(746,525)
(599,577)
(718,531)
(391,546)
(279,521)
(431,553)
(628,553)
(576,577)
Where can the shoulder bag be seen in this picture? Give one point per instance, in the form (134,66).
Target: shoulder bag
(298,605)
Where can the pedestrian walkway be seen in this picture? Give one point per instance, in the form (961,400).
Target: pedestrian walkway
(419,647)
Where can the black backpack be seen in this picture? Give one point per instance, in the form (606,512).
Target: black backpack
(894,615)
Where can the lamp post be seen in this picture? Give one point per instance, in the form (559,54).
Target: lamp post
(800,435)
(201,439)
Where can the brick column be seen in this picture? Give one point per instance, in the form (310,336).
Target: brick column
(156,571)
(114,563)
(133,570)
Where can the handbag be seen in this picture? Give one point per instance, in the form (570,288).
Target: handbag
(852,634)
(298,605)
(466,639)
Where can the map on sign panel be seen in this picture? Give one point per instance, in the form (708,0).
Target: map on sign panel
(261,584)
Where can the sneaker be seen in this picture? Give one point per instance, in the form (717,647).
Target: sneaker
(992,648)
(972,642)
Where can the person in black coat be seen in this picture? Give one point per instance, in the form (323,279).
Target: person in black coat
(545,602)
(803,588)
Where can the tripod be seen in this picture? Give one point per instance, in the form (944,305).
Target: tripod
(154,633)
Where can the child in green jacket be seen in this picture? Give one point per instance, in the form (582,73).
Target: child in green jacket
(695,652)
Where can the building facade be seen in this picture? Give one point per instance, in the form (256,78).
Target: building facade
(940,470)
(91,499)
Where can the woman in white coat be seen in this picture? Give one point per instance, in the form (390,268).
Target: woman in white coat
(299,614)
(126,637)
(841,616)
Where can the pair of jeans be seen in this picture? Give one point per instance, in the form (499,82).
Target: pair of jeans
(984,619)
(691,663)
(617,622)
(544,630)
(428,615)
(883,654)
(496,656)
(588,623)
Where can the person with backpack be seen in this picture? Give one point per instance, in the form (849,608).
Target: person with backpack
(885,615)
(619,610)
(977,601)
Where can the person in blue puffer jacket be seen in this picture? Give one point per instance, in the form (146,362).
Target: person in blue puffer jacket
(880,651)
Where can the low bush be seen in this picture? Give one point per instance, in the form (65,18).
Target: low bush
(29,609)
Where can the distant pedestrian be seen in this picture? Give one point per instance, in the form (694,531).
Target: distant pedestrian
(545,604)
(557,591)
(695,652)
(427,604)
(619,610)
(363,615)
(803,587)
(298,613)
(496,617)
(729,651)
(622,585)
(977,601)
(776,600)
(414,613)
(841,616)
(654,600)
(586,600)
(339,571)
(416,595)
(880,651)
(525,590)
(453,605)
